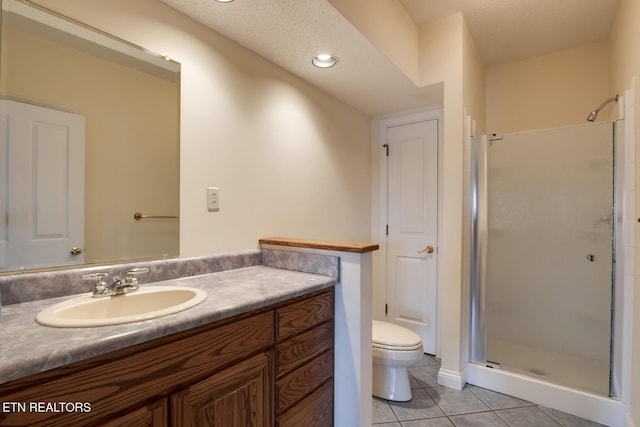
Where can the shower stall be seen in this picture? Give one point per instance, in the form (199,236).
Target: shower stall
(543,261)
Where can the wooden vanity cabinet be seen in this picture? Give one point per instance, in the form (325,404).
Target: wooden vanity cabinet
(304,362)
(273,366)
(237,396)
(153,415)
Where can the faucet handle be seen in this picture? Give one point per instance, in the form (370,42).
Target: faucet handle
(132,279)
(101,284)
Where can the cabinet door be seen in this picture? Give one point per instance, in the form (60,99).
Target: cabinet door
(239,396)
(154,415)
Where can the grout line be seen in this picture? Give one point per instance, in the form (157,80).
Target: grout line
(448,417)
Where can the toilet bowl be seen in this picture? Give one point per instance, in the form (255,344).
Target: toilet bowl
(394,350)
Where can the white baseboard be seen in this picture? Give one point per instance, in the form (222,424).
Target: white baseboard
(451,379)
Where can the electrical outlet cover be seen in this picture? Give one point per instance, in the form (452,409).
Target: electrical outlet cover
(213,198)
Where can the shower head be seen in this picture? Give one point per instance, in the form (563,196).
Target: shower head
(594,114)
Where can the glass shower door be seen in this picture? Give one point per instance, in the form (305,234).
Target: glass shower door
(549,255)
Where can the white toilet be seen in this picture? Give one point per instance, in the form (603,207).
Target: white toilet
(394,350)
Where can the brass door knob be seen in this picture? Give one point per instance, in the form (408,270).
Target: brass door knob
(429,249)
(76,251)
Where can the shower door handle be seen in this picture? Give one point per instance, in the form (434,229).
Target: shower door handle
(429,249)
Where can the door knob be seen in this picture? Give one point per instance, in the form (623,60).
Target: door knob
(429,249)
(76,251)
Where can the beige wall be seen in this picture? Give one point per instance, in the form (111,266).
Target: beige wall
(446,55)
(131,146)
(289,160)
(387,24)
(474,81)
(441,60)
(440,53)
(625,64)
(547,91)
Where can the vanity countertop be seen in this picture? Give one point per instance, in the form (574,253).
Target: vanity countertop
(28,348)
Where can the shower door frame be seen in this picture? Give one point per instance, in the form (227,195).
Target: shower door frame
(478,234)
(478,371)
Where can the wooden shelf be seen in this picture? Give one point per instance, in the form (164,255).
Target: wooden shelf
(321,244)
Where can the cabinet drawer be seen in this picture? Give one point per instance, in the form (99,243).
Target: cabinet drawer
(298,350)
(300,316)
(297,384)
(313,411)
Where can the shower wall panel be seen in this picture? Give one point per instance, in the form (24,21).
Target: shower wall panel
(549,263)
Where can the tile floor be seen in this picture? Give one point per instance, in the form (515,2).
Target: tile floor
(437,406)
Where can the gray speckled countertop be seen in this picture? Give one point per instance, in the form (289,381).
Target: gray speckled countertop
(28,348)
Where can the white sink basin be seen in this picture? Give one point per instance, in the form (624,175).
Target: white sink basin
(148,302)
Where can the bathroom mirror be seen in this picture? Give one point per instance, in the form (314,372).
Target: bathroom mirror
(89,136)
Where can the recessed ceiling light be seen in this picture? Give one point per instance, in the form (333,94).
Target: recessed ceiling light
(324,61)
(224,1)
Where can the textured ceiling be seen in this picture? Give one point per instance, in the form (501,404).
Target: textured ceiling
(290,32)
(509,30)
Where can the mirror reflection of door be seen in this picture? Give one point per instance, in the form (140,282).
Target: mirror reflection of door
(42,165)
(130,99)
(412,234)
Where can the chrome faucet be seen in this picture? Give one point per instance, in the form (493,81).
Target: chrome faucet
(102,288)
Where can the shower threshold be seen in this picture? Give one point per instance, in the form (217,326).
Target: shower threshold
(589,375)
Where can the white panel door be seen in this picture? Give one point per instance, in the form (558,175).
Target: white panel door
(45,186)
(412,228)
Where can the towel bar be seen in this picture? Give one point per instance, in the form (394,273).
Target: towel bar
(138,216)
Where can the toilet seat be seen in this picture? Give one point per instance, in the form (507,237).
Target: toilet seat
(397,347)
(388,336)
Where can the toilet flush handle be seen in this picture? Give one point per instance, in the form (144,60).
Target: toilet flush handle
(429,249)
